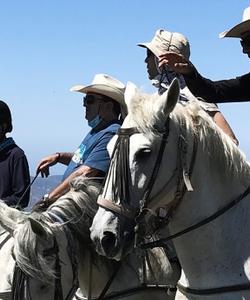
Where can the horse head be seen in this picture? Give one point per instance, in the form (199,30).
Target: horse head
(38,248)
(135,172)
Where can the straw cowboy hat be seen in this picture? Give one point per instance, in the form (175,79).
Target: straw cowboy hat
(164,41)
(105,85)
(239,29)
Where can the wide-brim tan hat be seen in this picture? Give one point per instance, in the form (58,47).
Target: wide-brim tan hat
(240,29)
(106,85)
(165,41)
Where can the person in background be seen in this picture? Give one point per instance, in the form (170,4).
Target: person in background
(221,91)
(164,42)
(14,168)
(104,102)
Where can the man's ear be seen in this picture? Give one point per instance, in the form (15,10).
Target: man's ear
(106,110)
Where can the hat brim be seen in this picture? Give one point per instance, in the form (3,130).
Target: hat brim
(101,89)
(237,31)
(150,47)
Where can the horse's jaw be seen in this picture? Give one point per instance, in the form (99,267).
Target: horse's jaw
(104,233)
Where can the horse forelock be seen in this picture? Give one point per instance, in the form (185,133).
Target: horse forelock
(147,114)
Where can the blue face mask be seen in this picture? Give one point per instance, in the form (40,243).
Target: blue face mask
(95,121)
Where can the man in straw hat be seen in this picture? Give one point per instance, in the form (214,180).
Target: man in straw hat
(104,101)
(173,42)
(231,90)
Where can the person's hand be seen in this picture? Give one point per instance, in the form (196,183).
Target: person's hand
(47,162)
(177,62)
(41,205)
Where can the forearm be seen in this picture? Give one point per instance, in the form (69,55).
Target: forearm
(200,86)
(64,157)
(65,185)
(220,91)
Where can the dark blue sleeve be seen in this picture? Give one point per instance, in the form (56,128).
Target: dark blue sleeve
(20,182)
(221,91)
(99,158)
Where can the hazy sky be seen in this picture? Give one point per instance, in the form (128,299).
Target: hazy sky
(48,46)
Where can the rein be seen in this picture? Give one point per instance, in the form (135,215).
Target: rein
(160,242)
(127,292)
(27,189)
(71,250)
(20,285)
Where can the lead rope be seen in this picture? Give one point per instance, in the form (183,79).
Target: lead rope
(27,189)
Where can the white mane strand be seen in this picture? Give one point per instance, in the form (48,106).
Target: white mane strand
(77,208)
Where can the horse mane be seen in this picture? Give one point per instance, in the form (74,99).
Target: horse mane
(192,119)
(76,208)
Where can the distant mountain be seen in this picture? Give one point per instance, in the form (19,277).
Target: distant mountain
(42,186)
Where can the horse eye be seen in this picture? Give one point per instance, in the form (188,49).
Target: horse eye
(143,153)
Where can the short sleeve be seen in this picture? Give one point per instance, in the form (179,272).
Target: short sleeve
(99,158)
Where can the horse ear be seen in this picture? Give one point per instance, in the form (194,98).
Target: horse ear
(37,228)
(171,96)
(130,92)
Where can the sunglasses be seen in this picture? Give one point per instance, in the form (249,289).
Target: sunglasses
(245,43)
(91,99)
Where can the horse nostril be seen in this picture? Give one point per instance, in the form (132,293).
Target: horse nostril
(108,242)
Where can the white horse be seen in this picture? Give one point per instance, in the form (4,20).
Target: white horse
(30,259)
(183,170)
(57,241)
(7,264)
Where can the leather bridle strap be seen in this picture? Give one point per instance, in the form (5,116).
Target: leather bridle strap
(207,220)
(5,240)
(212,291)
(109,282)
(71,249)
(116,208)
(144,201)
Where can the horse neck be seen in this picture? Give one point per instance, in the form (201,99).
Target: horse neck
(214,187)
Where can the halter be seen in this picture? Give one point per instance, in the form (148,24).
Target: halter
(20,285)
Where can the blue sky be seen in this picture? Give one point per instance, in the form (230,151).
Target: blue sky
(48,46)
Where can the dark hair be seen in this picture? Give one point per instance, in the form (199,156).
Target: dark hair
(116,105)
(5,116)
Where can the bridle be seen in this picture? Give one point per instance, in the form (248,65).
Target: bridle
(184,185)
(20,285)
(183,173)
